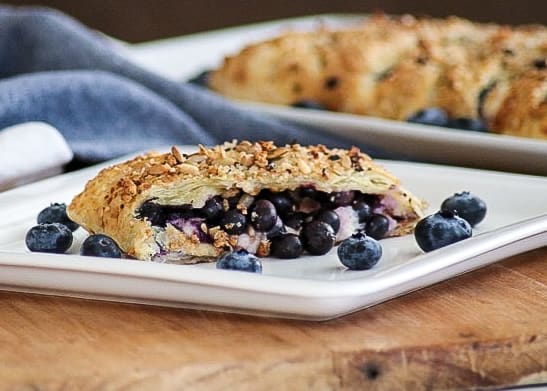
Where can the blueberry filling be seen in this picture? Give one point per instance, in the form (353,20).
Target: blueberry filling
(330,217)
(342,198)
(277,229)
(286,246)
(159,215)
(282,202)
(263,215)
(318,237)
(363,210)
(191,226)
(213,209)
(377,226)
(234,222)
(292,222)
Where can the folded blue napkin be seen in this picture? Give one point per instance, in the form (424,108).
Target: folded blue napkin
(55,70)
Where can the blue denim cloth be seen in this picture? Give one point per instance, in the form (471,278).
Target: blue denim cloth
(55,70)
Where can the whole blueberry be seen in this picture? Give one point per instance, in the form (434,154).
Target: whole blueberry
(286,246)
(377,226)
(233,222)
(49,238)
(263,215)
(100,245)
(56,213)
(212,209)
(294,220)
(233,201)
(364,211)
(467,205)
(342,198)
(282,202)
(430,116)
(330,217)
(473,124)
(318,237)
(240,260)
(309,104)
(441,229)
(309,192)
(277,229)
(359,252)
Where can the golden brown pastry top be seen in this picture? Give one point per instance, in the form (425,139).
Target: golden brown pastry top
(248,166)
(394,67)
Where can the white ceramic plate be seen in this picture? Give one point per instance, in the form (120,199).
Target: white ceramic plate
(310,287)
(184,57)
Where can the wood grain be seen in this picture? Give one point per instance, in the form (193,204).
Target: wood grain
(481,330)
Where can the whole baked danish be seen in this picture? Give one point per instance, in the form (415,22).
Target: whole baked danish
(395,67)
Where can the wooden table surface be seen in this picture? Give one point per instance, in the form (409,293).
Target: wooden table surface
(485,329)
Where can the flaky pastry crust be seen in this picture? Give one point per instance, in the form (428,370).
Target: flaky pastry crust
(395,67)
(110,202)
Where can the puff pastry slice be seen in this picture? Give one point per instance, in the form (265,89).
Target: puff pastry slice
(162,206)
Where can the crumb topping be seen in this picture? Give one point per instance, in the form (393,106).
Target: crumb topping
(241,163)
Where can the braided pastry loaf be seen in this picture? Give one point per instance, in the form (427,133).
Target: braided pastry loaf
(395,67)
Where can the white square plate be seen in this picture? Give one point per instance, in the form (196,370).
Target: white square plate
(309,287)
(184,57)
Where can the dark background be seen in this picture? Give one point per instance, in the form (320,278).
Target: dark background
(142,20)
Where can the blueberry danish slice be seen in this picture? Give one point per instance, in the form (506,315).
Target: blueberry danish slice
(192,208)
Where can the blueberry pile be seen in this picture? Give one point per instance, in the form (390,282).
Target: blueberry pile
(53,234)
(452,223)
(298,221)
(358,252)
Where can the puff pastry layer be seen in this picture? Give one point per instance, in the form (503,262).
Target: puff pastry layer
(151,205)
(395,67)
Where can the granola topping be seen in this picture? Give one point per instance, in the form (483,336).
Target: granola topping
(243,162)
